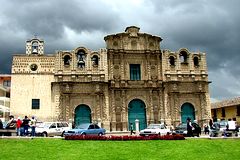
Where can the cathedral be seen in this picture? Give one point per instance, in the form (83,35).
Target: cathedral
(131,79)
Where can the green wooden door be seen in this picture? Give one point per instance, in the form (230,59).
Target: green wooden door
(187,110)
(82,115)
(137,110)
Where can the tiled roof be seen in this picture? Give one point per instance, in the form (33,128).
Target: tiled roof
(226,103)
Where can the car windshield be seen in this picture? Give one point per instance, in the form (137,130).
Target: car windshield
(223,124)
(182,126)
(82,126)
(44,125)
(154,126)
(4,124)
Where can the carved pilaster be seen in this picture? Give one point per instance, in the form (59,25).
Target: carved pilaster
(111,65)
(113,120)
(159,67)
(161,106)
(205,109)
(148,67)
(122,66)
(176,109)
(98,109)
(124,113)
(151,109)
(67,102)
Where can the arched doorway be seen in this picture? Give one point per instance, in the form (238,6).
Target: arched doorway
(137,110)
(187,110)
(82,115)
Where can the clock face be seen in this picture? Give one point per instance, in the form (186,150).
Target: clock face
(33,67)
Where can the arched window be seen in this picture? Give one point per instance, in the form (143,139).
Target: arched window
(81,56)
(196,61)
(67,60)
(35,48)
(172,61)
(183,57)
(95,60)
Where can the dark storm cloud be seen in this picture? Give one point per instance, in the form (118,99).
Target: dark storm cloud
(210,26)
(207,26)
(20,20)
(48,18)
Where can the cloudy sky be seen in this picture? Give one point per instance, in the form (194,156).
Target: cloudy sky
(199,25)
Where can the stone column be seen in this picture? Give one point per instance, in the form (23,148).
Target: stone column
(151,109)
(124,112)
(113,120)
(111,66)
(148,68)
(106,113)
(167,111)
(161,107)
(67,102)
(57,100)
(122,66)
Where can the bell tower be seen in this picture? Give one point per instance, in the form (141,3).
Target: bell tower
(35,46)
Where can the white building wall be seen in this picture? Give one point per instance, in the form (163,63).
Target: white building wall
(28,87)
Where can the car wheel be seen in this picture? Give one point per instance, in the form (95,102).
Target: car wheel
(100,134)
(44,134)
(159,134)
(62,134)
(84,134)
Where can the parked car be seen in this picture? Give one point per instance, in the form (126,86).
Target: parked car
(223,125)
(52,129)
(155,129)
(86,129)
(215,130)
(182,129)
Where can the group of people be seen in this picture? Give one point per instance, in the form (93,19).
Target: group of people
(193,129)
(25,124)
(189,128)
(22,126)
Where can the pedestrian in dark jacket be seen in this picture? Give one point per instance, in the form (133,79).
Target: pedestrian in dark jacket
(1,124)
(25,125)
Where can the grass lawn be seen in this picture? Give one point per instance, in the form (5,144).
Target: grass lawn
(51,149)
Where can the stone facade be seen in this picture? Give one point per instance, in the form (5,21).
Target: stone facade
(131,70)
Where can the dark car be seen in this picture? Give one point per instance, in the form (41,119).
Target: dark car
(182,129)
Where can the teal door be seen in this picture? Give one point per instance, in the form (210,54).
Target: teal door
(187,110)
(137,110)
(82,115)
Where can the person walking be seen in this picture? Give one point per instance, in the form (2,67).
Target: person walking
(189,128)
(19,123)
(11,124)
(131,128)
(33,126)
(25,125)
(1,124)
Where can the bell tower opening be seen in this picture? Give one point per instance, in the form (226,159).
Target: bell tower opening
(35,46)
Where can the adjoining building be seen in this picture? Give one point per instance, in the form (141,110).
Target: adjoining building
(132,78)
(5,85)
(227,110)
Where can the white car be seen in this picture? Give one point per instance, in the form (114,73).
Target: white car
(52,129)
(155,129)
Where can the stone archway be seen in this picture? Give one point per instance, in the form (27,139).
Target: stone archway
(137,110)
(82,115)
(187,111)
